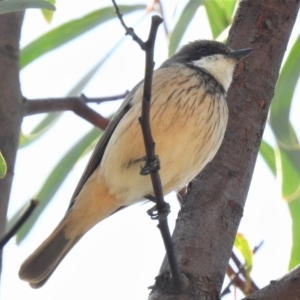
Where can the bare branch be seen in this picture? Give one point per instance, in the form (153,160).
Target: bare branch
(128,30)
(76,104)
(104,99)
(235,278)
(151,166)
(208,222)
(10,105)
(152,162)
(24,217)
(287,288)
(238,282)
(156,5)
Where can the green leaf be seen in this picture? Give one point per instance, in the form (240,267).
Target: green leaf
(290,170)
(51,118)
(294,208)
(219,14)
(69,31)
(77,89)
(56,178)
(241,243)
(290,173)
(8,6)
(48,14)
(268,154)
(228,7)
(184,20)
(288,154)
(290,189)
(3,166)
(48,121)
(281,104)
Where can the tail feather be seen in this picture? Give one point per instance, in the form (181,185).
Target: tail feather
(41,264)
(93,204)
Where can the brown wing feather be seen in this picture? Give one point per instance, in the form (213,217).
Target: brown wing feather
(101,145)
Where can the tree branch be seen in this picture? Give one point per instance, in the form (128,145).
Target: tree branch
(128,30)
(156,5)
(173,281)
(24,217)
(104,99)
(76,104)
(208,222)
(247,286)
(10,104)
(152,161)
(287,288)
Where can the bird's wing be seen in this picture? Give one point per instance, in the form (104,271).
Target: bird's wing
(102,144)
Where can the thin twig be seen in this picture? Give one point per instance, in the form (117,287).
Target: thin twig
(241,269)
(104,99)
(246,286)
(76,104)
(152,7)
(152,164)
(24,217)
(151,157)
(128,30)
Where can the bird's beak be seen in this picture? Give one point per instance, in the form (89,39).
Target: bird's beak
(239,54)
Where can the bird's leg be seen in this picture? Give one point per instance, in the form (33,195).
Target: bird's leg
(161,212)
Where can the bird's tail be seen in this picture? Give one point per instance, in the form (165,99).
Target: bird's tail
(93,204)
(39,266)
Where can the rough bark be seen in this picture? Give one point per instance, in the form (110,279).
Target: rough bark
(287,288)
(208,222)
(10,103)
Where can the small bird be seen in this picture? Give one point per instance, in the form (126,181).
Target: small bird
(188,120)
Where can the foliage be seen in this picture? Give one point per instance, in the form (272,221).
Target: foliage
(3,166)
(8,6)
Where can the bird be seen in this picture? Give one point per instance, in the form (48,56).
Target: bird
(188,119)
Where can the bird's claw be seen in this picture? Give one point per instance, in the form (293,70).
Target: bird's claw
(160,214)
(151,167)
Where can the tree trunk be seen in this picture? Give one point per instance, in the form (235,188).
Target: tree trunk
(10,104)
(207,224)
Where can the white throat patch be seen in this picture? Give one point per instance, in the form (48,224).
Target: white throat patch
(219,66)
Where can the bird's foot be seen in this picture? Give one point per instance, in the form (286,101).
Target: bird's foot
(159,214)
(151,166)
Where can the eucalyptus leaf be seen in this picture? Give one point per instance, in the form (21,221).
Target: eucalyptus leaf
(218,15)
(51,118)
(58,37)
(281,104)
(294,208)
(268,154)
(3,166)
(55,180)
(242,244)
(184,20)
(288,154)
(48,14)
(69,31)
(8,6)
(48,121)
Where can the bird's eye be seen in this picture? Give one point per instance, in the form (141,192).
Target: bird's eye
(203,50)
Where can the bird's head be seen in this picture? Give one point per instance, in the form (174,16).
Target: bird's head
(214,57)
